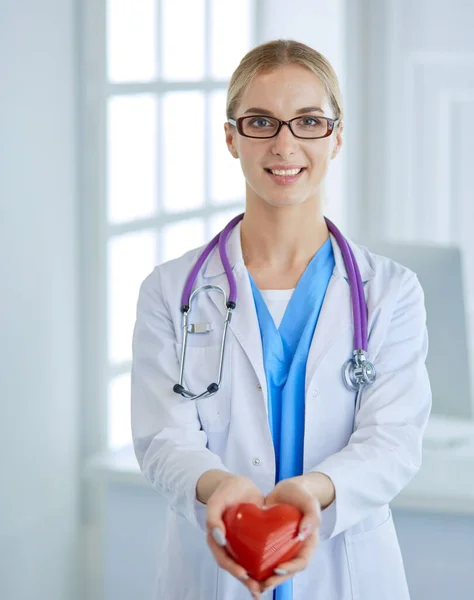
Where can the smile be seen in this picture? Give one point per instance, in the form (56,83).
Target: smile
(285,176)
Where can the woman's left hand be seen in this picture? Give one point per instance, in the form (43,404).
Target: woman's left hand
(294,491)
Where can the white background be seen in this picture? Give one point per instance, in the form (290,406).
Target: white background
(411,57)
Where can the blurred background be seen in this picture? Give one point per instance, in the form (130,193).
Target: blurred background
(96,187)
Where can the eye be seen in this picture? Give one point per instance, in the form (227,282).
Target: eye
(260,122)
(310,121)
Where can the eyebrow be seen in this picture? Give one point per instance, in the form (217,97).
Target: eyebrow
(300,111)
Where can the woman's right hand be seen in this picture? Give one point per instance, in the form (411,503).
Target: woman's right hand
(232,490)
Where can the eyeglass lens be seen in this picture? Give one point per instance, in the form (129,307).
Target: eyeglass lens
(306,126)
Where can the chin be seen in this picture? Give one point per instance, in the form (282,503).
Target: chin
(282,199)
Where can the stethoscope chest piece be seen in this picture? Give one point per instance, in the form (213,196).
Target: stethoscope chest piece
(358,371)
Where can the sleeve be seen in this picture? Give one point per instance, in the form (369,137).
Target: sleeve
(385,449)
(169,443)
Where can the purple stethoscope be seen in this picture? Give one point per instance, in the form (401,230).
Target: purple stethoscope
(357,371)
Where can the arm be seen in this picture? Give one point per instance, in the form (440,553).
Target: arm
(208,482)
(168,441)
(321,487)
(385,449)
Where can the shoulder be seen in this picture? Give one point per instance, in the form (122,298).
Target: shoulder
(166,281)
(389,274)
(395,299)
(393,291)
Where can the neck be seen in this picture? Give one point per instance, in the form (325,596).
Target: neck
(281,239)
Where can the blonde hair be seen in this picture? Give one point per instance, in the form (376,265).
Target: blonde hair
(271,55)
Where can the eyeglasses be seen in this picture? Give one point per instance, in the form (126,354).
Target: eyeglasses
(306,127)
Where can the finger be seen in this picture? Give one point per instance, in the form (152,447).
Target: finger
(215,510)
(274,581)
(220,502)
(224,560)
(298,495)
(293,566)
(227,563)
(311,508)
(310,542)
(300,562)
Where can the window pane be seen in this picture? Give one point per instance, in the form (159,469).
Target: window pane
(230,35)
(183,151)
(218,221)
(183,36)
(178,238)
(227,181)
(131,258)
(131,40)
(132,160)
(119,429)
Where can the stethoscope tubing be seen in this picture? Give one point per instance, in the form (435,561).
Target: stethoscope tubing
(357,371)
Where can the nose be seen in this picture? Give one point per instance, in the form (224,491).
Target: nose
(285,143)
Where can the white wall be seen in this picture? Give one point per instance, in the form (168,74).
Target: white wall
(38,302)
(415,128)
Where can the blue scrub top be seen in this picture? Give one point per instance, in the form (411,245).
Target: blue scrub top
(285,352)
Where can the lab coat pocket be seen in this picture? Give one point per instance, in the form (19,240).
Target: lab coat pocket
(201,369)
(375,563)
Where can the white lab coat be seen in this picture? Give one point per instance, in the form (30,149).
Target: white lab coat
(176,440)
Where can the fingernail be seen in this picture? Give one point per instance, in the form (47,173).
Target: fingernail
(255,595)
(245,576)
(280,572)
(219,537)
(305,532)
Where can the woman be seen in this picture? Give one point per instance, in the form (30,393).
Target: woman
(283,427)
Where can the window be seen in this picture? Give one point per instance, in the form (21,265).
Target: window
(155,106)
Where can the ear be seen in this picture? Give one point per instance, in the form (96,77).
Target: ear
(338,140)
(230,137)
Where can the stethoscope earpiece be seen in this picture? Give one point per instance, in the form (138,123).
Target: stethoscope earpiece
(212,388)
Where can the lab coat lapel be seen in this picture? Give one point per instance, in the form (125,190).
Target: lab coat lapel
(244,322)
(336,311)
(335,317)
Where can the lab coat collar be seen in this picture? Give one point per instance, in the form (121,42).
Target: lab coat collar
(335,316)
(214,267)
(360,254)
(244,322)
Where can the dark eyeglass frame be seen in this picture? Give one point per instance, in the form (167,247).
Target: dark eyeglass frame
(332,123)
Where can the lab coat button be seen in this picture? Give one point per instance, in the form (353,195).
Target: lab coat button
(259,387)
(315,393)
(256,461)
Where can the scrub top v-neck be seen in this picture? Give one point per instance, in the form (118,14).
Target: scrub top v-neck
(285,351)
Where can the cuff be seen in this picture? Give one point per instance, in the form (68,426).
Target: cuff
(200,512)
(197,509)
(328,521)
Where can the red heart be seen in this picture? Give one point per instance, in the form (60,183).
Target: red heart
(259,539)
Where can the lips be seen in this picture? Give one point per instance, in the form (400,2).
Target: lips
(285,172)
(281,169)
(285,176)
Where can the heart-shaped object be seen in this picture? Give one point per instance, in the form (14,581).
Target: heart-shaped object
(259,539)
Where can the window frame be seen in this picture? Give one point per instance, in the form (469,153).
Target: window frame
(95,230)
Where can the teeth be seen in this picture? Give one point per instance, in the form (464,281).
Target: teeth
(286,173)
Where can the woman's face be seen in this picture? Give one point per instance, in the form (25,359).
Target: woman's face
(283,93)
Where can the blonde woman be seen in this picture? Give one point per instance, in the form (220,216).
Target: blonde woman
(323,396)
